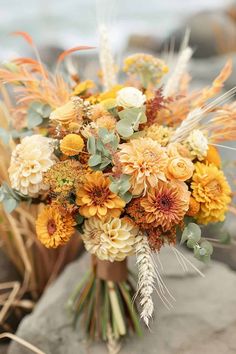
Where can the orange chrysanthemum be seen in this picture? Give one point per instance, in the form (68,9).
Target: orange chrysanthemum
(212,191)
(95,197)
(53,227)
(167,204)
(145,161)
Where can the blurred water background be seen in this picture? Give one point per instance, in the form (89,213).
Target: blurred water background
(58,24)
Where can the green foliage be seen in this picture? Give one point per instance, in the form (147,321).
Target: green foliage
(121,186)
(9,198)
(192,236)
(6,135)
(36,113)
(130,119)
(101,149)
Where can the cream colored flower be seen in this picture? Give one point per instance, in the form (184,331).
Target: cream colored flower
(145,161)
(159,133)
(30,159)
(130,97)
(112,240)
(197,144)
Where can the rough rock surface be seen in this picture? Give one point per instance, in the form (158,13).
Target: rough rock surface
(203,319)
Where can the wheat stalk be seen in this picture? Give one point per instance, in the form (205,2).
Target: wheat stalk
(146,278)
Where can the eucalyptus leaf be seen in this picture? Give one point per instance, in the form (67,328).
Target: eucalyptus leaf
(94,160)
(4,136)
(124,128)
(33,119)
(91,145)
(10,204)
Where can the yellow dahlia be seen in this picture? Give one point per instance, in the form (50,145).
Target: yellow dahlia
(95,198)
(145,161)
(167,204)
(54,228)
(30,159)
(159,133)
(111,240)
(71,145)
(212,191)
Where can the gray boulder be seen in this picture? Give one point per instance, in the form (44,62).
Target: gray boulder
(203,319)
(212,33)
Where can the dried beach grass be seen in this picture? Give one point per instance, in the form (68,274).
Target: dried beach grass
(36,265)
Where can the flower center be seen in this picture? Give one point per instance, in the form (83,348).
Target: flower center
(165,203)
(51,226)
(99,195)
(214,187)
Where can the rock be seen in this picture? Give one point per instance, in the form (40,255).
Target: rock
(212,33)
(204,71)
(143,43)
(203,319)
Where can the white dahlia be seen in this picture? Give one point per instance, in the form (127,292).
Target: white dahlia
(30,159)
(110,240)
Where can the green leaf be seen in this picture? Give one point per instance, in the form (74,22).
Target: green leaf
(10,204)
(104,164)
(127,197)
(94,160)
(191,232)
(46,111)
(33,119)
(207,246)
(114,188)
(191,243)
(91,145)
(79,219)
(124,128)
(4,136)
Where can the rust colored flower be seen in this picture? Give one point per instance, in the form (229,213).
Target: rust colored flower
(53,227)
(158,238)
(167,204)
(194,207)
(96,199)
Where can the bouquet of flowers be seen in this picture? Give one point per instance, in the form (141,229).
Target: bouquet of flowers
(133,166)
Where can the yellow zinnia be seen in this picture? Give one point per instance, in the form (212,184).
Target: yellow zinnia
(54,228)
(212,191)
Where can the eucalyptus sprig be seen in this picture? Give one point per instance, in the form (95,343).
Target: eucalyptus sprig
(101,149)
(130,119)
(9,198)
(37,112)
(121,187)
(202,248)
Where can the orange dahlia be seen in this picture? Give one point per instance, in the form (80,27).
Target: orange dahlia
(212,191)
(145,161)
(194,207)
(167,204)
(96,199)
(54,227)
